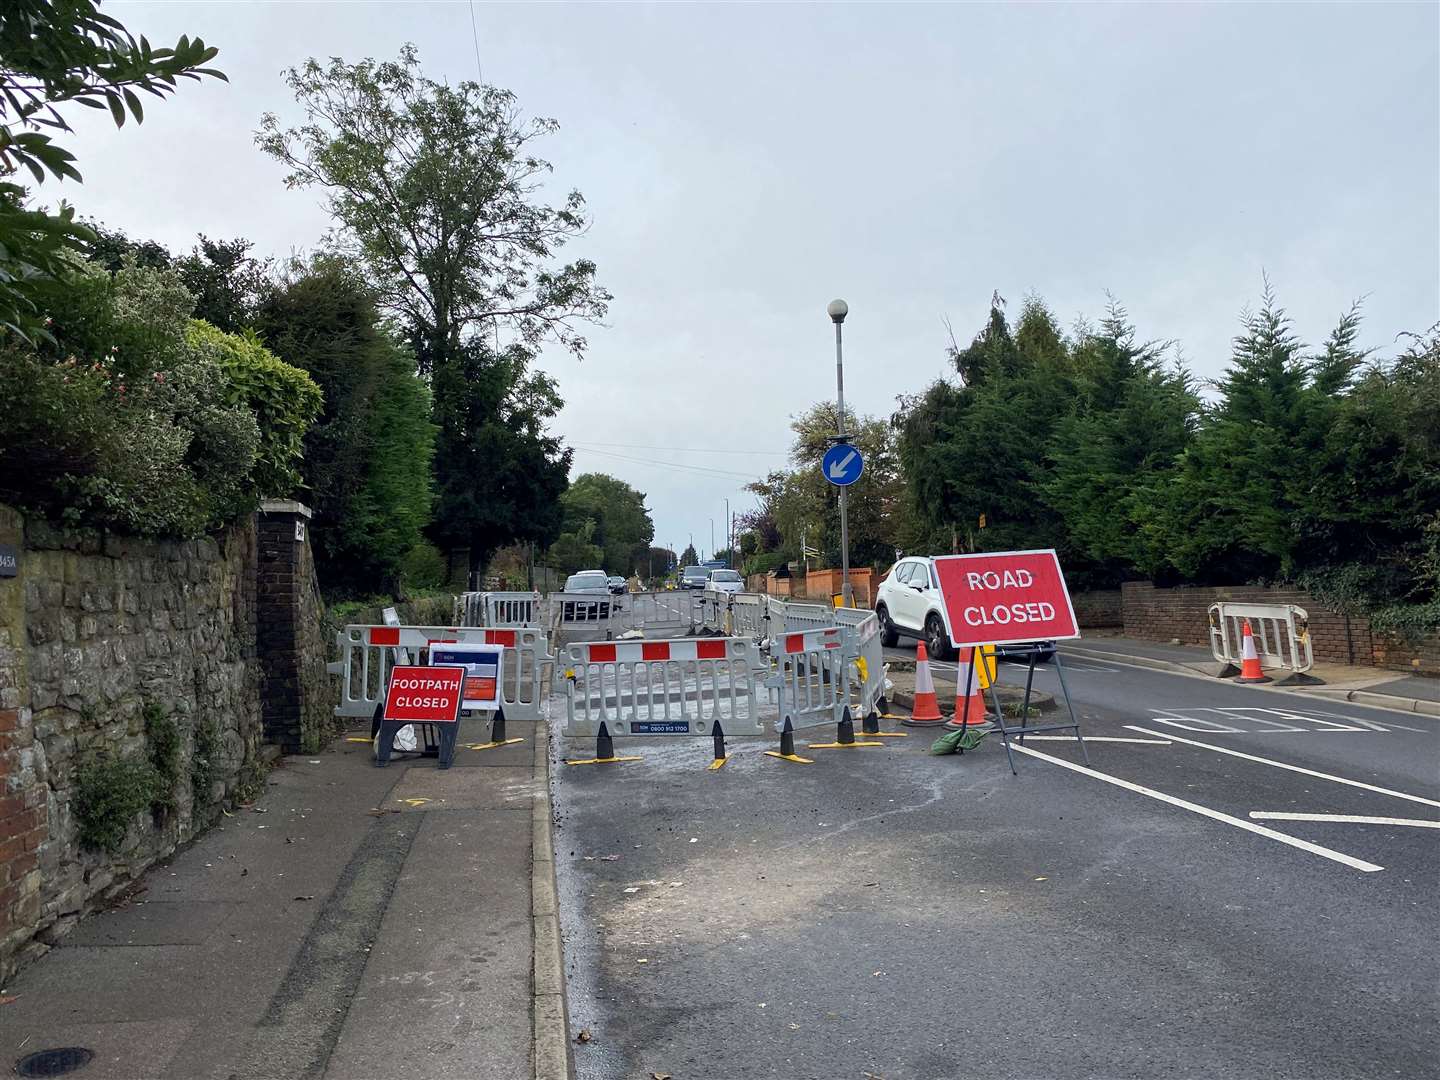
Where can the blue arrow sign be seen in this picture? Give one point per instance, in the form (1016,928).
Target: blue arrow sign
(842,464)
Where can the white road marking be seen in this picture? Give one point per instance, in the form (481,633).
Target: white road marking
(1205,811)
(1287,765)
(1188,723)
(1094,738)
(1349,819)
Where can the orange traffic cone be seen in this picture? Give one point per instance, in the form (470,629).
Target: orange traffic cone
(969,711)
(1250,670)
(926,710)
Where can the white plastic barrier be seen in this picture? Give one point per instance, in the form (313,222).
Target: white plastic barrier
(368,653)
(660,614)
(1281,632)
(470,609)
(513,609)
(589,612)
(811,679)
(749,615)
(865,652)
(649,688)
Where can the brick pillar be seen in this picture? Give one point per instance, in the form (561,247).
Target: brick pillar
(24,819)
(282,590)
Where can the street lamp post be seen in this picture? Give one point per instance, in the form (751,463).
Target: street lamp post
(837,310)
(729,539)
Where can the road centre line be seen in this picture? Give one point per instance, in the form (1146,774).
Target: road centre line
(1349,819)
(1285,765)
(1205,811)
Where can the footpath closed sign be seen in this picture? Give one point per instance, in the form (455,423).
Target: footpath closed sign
(424,695)
(1005,598)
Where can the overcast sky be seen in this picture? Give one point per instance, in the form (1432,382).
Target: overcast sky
(746,164)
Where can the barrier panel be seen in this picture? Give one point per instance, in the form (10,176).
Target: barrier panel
(513,609)
(1281,633)
(810,680)
(749,615)
(660,614)
(683,687)
(865,651)
(470,609)
(589,612)
(368,653)
(806,617)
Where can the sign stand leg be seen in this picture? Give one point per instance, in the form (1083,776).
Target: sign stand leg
(446,749)
(1060,671)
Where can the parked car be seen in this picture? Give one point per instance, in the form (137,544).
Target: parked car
(694,577)
(725,581)
(617,585)
(588,581)
(908,604)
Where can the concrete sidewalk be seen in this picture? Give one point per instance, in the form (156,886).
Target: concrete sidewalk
(1344,682)
(355,923)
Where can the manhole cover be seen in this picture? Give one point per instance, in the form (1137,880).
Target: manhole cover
(57,1062)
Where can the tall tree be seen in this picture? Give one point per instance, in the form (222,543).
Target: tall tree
(436,189)
(52,53)
(620,523)
(499,473)
(367,459)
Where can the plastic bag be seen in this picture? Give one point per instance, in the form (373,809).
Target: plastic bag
(405,740)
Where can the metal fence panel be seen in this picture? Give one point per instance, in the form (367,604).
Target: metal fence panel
(661,614)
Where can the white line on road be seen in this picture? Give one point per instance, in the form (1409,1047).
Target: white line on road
(1285,765)
(1205,811)
(1016,733)
(1349,819)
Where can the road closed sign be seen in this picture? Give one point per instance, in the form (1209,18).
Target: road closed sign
(1005,598)
(424,695)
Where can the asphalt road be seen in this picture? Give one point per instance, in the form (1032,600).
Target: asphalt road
(886,913)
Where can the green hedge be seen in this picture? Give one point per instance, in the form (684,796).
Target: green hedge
(284,399)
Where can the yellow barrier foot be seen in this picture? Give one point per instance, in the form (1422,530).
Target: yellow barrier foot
(491,745)
(717,763)
(789,757)
(839,745)
(357,738)
(887,734)
(606,760)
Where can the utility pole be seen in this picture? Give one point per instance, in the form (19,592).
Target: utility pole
(837,310)
(729,539)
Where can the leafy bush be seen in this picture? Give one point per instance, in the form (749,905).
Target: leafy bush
(163,736)
(131,418)
(284,400)
(204,763)
(109,794)
(423,567)
(764,562)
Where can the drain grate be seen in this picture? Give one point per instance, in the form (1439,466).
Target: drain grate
(56,1062)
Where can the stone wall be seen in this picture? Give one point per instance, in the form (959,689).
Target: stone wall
(1154,614)
(105,641)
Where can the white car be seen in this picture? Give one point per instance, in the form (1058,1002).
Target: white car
(908,603)
(725,581)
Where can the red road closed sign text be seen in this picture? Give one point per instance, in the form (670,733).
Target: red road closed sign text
(424,695)
(1003,598)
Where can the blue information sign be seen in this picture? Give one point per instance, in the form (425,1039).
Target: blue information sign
(842,464)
